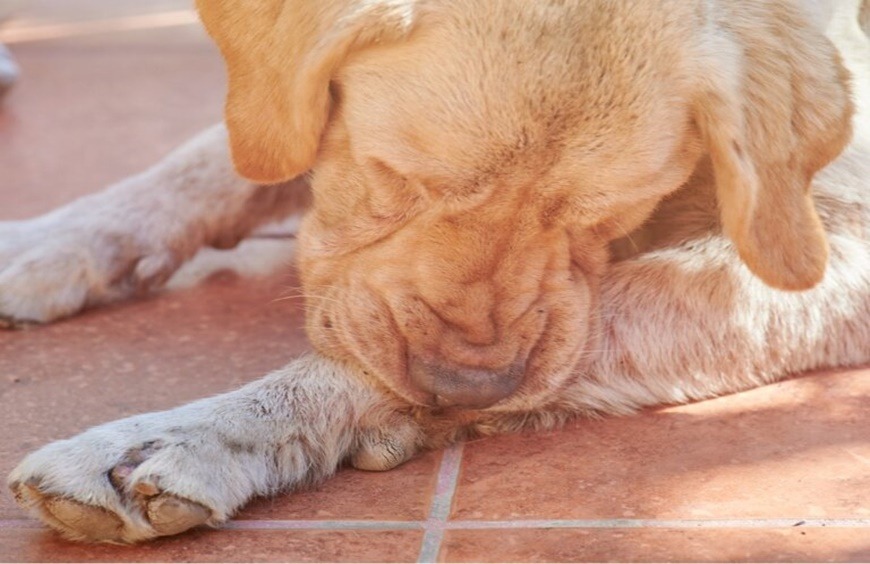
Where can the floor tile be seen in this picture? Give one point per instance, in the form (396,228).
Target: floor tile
(89,112)
(42,12)
(658,545)
(221,546)
(799,448)
(402,494)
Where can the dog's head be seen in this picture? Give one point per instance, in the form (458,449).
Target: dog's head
(471,160)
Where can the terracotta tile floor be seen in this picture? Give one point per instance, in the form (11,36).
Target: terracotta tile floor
(775,474)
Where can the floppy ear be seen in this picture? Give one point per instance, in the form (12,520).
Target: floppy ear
(281,56)
(774,108)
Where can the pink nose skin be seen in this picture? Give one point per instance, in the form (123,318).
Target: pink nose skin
(463,386)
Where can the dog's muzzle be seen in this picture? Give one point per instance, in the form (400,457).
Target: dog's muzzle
(463,386)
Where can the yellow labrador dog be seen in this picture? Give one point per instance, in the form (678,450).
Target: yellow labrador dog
(521,212)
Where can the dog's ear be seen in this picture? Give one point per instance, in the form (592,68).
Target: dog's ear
(774,108)
(281,56)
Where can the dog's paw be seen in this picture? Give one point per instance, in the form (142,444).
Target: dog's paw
(162,473)
(54,266)
(133,480)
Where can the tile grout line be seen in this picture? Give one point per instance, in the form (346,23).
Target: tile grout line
(552,524)
(659,524)
(443,524)
(442,501)
(316,525)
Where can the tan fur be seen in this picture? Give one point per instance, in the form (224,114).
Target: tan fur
(267,94)
(522,212)
(460,202)
(770,128)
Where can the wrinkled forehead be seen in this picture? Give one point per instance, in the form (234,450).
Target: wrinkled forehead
(473,89)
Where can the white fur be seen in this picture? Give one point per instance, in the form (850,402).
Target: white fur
(133,236)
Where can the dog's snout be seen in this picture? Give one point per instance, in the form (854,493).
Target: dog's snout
(464,386)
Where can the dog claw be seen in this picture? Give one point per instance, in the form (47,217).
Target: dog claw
(146,489)
(12,323)
(25,493)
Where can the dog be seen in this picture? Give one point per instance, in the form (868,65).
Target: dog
(519,213)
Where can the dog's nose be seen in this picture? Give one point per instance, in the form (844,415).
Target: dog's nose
(463,386)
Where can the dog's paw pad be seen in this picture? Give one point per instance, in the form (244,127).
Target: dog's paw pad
(85,522)
(170,515)
(73,519)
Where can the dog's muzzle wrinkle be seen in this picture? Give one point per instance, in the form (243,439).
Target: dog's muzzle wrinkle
(464,386)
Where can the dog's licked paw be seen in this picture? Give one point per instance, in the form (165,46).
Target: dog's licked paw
(133,480)
(162,473)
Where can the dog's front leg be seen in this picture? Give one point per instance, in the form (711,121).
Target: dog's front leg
(132,236)
(162,473)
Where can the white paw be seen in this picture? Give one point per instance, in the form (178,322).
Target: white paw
(162,473)
(56,265)
(148,476)
(135,479)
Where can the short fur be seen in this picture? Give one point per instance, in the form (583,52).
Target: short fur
(610,205)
